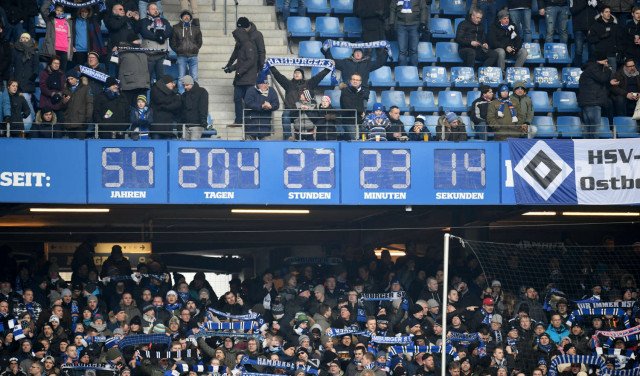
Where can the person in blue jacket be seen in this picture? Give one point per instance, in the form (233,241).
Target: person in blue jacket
(261,101)
(557,330)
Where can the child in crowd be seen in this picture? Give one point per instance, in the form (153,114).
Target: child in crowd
(141,119)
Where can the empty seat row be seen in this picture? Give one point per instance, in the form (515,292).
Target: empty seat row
(571,127)
(321,6)
(326,27)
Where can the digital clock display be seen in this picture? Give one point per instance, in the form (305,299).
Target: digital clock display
(309,168)
(385,168)
(460,169)
(218,168)
(128,168)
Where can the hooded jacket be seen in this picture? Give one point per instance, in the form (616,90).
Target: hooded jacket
(258,41)
(25,69)
(605,36)
(80,107)
(446,132)
(186,40)
(166,105)
(523,105)
(246,58)
(293,87)
(594,85)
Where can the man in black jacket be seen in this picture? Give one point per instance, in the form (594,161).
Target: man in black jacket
(605,34)
(631,35)
(472,41)
(122,28)
(625,95)
(478,111)
(583,16)
(292,89)
(359,63)
(371,13)
(195,108)
(352,97)
(506,41)
(396,130)
(593,95)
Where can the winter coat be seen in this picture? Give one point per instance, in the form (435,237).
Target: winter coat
(155,37)
(121,29)
(302,121)
(352,99)
(195,106)
(350,66)
(128,5)
(19,110)
(19,10)
(166,105)
(446,132)
(594,85)
(376,126)
(293,88)
(419,13)
(325,122)
(500,37)
(631,30)
(138,122)
(583,15)
(396,127)
(258,41)
(134,70)
(605,36)
(468,32)
(621,89)
(618,6)
(5,58)
(5,112)
(111,112)
(246,58)
(258,120)
(25,70)
(478,112)
(49,47)
(186,40)
(503,127)
(524,108)
(79,109)
(51,83)
(42,129)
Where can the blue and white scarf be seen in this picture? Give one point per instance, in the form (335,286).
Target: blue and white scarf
(406,6)
(628,335)
(336,332)
(400,340)
(188,354)
(98,76)
(228,334)
(97,367)
(247,317)
(238,325)
(583,359)
(201,369)
(70,4)
(580,312)
(277,364)
(362,45)
(139,339)
(16,328)
(298,62)
(395,350)
(313,260)
(379,297)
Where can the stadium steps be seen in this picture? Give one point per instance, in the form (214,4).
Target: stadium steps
(217,48)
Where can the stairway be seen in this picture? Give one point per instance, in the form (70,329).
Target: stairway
(217,48)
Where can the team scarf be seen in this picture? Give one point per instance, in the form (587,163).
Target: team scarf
(16,328)
(247,317)
(224,334)
(298,62)
(96,75)
(149,51)
(133,276)
(583,359)
(187,354)
(141,339)
(277,364)
(628,335)
(336,332)
(399,340)
(620,357)
(95,366)
(611,311)
(361,314)
(467,338)
(406,6)
(396,350)
(259,374)
(592,303)
(362,45)
(332,261)
(379,297)
(201,369)
(70,4)
(237,325)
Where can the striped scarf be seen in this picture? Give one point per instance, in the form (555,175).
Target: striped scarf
(380,297)
(140,339)
(276,364)
(392,340)
(216,370)
(248,316)
(336,332)
(583,359)
(238,325)
(331,261)
(187,354)
(613,311)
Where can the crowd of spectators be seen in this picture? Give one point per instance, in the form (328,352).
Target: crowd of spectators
(320,314)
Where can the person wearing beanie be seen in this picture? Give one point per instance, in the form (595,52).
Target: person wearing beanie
(261,101)
(303,126)
(186,41)
(593,92)
(166,104)
(46,125)
(195,109)
(507,42)
(23,63)
(418,129)
(292,89)
(502,116)
(472,40)
(79,100)
(524,108)
(193,4)
(478,111)
(376,124)
(450,128)
(111,111)
(326,120)
(141,118)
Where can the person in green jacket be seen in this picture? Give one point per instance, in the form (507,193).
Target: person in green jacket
(502,116)
(524,107)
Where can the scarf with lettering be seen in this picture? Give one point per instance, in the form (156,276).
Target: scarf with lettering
(238,325)
(612,311)
(277,364)
(396,340)
(336,332)
(362,45)
(298,62)
(246,317)
(313,260)
(216,370)
(385,296)
(187,354)
(593,360)
(628,335)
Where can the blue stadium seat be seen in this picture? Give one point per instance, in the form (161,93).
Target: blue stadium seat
(472,96)
(381,77)
(425,53)
(317,6)
(341,52)
(565,101)
(625,127)
(571,77)
(547,78)
(540,101)
(451,101)
(407,121)
(471,133)
(463,77)
(422,101)
(394,98)
(335,97)
(569,127)
(519,74)
(434,8)
(341,6)
(453,7)
(441,28)
(310,49)
(328,27)
(447,52)
(491,76)
(604,129)
(431,124)
(435,77)
(407,76)
(352,27)
(280,5)
(546,128)
(556,53)
(395,51)
(326,81)
(372,100)
(300,27)
(534,54)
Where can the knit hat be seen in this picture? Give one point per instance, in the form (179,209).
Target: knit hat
(432,303)
(65,292)
(568,347)
(319,288)
(142,98)
(503,13)
(94,54)
(327,98)
(53,296)
(184,11)
(420,119)
(518,85)
(415,309)
(301,72)
(243,22)
(451,117)
(73,73)
(502,88)
(301,317)
(600,55)
(496,318)
(307,95)
(187,80)
(378,106)
(91,298)
(110,81)
(147,308)
(136,320)
(54,318)
(495,282)
(171,292)
(113,354)
(303,338)
(159,329)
